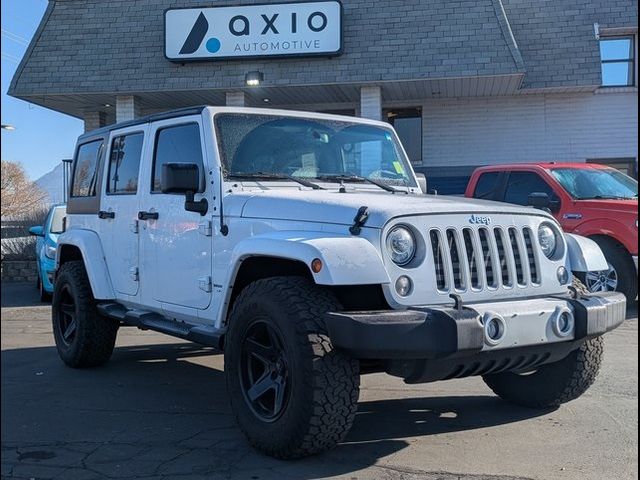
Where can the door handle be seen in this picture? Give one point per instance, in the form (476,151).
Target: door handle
(148,215)
(104,214)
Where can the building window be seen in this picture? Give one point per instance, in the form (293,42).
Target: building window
(85,170)
(349,112)
(628,166)
(617,57)
(124,164)
(408,124)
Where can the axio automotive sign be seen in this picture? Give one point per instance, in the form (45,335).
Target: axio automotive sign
(277,29)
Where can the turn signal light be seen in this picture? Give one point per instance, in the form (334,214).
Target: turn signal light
(316,265)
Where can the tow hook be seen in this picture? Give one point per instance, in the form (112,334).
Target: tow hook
(457,299)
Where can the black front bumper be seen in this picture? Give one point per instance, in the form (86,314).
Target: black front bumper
(454,338)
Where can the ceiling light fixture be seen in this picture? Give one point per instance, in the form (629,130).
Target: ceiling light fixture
(253,79)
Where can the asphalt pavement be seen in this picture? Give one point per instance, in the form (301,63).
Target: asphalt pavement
(159,410)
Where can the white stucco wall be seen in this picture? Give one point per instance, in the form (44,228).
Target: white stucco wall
(524,128)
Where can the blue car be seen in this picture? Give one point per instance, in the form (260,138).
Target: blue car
(46,246)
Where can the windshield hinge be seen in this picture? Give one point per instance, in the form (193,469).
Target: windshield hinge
(205,228)
(133,274)
(359,220)
(204,284)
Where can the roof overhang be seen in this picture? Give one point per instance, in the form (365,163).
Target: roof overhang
(290,96)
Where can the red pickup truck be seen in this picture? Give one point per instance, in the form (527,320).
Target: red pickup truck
(592,200)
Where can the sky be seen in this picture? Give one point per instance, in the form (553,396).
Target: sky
(42,137)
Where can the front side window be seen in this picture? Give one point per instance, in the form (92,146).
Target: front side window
(124,164)
(592,183)
(85,170)
(180,144)
(270,146)
(522,184)
(617,57)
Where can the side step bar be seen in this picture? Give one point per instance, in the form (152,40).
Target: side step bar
(145,320)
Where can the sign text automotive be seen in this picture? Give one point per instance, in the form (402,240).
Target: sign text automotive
(301,29)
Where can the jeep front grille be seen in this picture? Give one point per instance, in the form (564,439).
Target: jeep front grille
(484,257)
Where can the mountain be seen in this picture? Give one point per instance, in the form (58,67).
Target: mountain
(52,184)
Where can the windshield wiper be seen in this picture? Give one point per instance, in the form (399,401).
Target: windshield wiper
(276,176)
(357,178)
(607,197)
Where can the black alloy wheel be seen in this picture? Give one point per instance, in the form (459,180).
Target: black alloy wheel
(83,337)
(67,316)
(264,371)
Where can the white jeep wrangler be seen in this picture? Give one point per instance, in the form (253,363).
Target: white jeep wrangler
(302,245)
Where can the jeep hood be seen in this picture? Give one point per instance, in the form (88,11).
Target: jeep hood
(332,206)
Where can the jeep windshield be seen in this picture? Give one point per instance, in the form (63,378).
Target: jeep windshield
(596,184)
(271,147)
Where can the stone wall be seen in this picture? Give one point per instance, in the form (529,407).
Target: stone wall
(19,271)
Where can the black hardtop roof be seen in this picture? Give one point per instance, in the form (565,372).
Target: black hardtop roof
(180,112)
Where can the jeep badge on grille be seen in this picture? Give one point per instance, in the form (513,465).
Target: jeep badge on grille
(479,220)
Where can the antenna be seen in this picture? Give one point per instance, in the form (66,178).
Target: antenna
(224,230)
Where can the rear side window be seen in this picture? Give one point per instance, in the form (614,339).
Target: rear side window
(85,171)
(180,144)
(124,164)
(487,185)
(521,184)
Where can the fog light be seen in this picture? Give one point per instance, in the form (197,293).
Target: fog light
(403,286)
(563,322)
(494,328)
(563,275)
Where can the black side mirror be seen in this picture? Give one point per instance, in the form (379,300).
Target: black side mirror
(180,178)
(538,200)
(184,178)
(542,201)
(37,231)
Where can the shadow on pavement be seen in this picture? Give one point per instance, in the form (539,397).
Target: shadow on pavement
(156,410)
(20,295)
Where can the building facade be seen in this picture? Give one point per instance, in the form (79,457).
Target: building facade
(465,82)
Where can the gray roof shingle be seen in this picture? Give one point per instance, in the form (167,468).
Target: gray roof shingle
(95,46)
(117,45)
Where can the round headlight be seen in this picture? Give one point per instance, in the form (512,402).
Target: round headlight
(547,239)
(401,245)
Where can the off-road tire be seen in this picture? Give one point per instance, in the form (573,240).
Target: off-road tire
(324,384)
(622,262)
(554,383)
(580,287)
(94,336)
